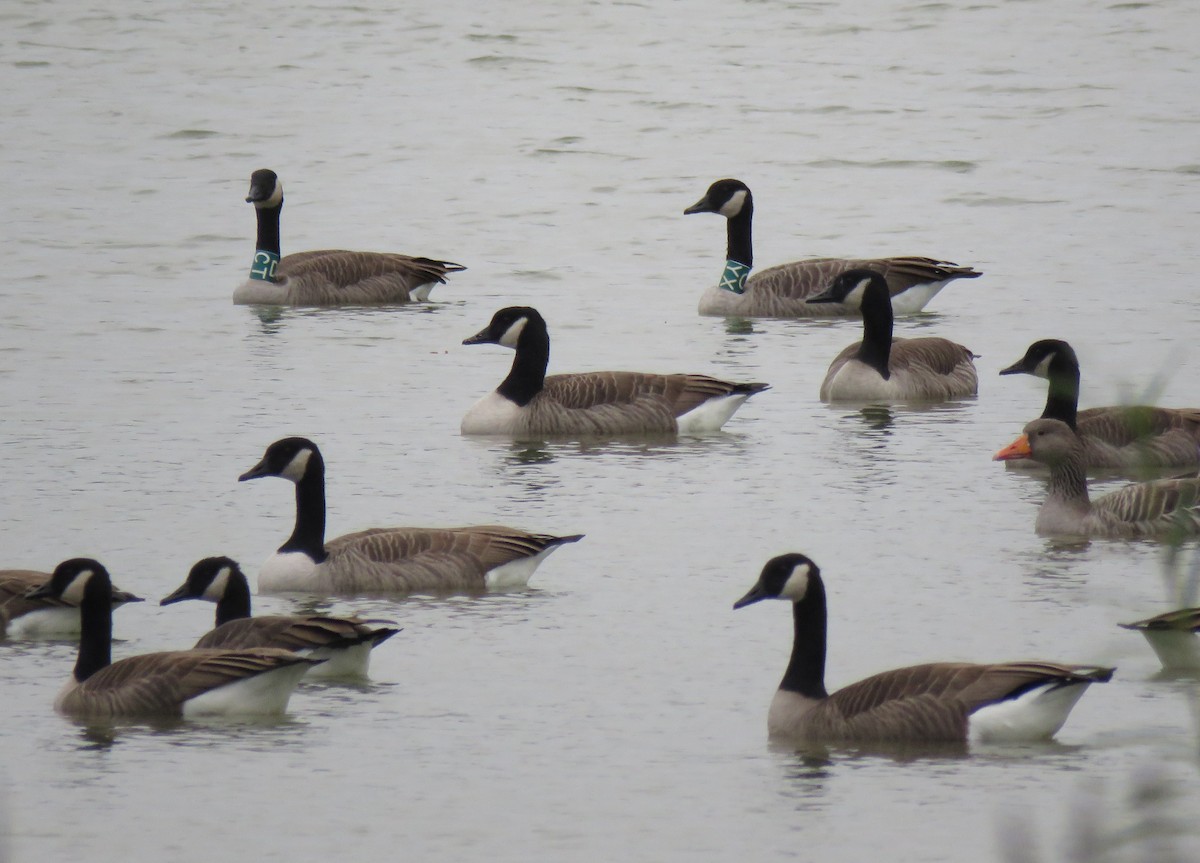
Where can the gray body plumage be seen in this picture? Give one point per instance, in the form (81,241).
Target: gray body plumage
(529,402)
(926,369)
(386,560)
(782,291)
(336,277)
(345,641)
(158,684)
(176,683)
(884,368)
(328,277)
(945,702)
(921,703)
(289,632)
(606,403)
(1138,436)
(420,560)
(1160,508)
(1129,438)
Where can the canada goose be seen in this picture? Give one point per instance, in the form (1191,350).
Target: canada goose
(1175,637)
(1164,507)
(940,702)
(591,403)
(345,642)
(328,277)
(781,291)
(179,683)
(881,368)
(1124,436)
(387,560)
(22,616)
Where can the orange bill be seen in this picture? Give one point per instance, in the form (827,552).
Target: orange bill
(1017,449)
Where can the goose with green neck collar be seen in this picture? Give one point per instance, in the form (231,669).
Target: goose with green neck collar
(328,277)
(1122,437)
(591,404)
(881,368)
(782,290)
(945,702)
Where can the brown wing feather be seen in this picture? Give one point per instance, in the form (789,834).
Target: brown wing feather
(1140,436)
(159,683)
(1184,620)
(802,279)
(338,276)
(931,702)
(1160,507)
(292,633)
(387,560)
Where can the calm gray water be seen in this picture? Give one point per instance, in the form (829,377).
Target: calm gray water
(616,709)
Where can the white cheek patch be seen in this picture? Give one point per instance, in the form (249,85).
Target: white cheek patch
(215,591)
(296,467)
(276,196)
(73,593)
(509,339)
(855,297)
(797,583)
(734,205)
(1042,369)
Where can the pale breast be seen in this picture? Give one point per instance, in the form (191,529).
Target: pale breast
(492,414)
(284,571)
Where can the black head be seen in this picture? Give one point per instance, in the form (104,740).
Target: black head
(726,198)
(265,188)
(851,286)
(74,580)
(207,580)
(1039,356)
(506,327)
(289,458)
(788,576)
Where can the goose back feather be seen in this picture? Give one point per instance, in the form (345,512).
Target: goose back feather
(884,368)
(528,402)
(387,560)
(783,290)
(328,277)
(1121,437)
(938,702)
(1164,508)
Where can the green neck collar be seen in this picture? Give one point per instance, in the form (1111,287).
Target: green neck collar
(733,279)
(262,268)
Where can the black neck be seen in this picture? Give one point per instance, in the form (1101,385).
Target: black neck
(738,245)
(95,636)
(1062,394)
(309,534)
(528,373)
(806,669)
(268,228)
(235,604)
(876,347)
